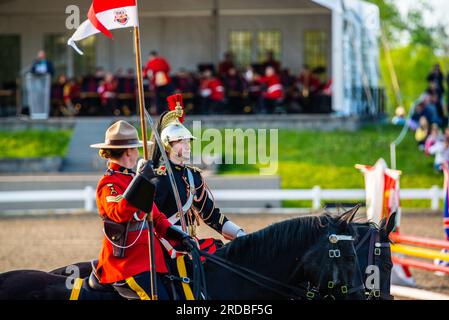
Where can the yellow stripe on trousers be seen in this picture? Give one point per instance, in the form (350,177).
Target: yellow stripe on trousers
(137,289)
(74,295)
(183,273)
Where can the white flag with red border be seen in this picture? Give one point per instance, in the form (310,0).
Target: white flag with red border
(106,15)
(382,190)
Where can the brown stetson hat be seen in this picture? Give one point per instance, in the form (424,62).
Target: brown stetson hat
(121,135)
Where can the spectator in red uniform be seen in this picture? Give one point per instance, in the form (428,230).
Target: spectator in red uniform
(57,96)
(126,92)
(186,84)
(270,61)
(273,93)
(71,98)
(309,85)
(108,95)
(157,70)
(226,64)
(254,90)
(212,93)
(234,87)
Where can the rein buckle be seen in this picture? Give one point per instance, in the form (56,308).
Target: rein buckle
(310,295)
(334,253)
(185,280)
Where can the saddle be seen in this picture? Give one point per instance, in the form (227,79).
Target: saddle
(178,281)
(94,282)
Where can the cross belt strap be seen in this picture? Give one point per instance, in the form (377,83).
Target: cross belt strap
(175,218)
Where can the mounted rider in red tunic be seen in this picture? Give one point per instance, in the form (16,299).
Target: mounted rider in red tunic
(123,198)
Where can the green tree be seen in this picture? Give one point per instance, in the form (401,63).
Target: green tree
(414,60)
(392,23)
(420,34)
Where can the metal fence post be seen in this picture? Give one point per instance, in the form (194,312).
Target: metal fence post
(435,197)
(316,197)
(89,198)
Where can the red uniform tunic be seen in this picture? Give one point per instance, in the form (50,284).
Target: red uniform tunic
(112,205)
(107,91)
(213,88)
(160,69)
(274,87)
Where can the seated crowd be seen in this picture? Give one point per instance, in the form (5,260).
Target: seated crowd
(428,120)
(222,89)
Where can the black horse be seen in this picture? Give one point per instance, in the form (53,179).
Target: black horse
(301,258)
(373,257)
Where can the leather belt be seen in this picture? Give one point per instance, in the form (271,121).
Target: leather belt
(135,226)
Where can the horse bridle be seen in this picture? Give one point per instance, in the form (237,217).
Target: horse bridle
(374,253)
(333,253)
(302,291)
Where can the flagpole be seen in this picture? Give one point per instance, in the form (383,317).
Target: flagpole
(145,156)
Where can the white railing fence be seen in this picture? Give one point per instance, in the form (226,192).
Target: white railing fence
(315,194)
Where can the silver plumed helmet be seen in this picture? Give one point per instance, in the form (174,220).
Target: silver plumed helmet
(171,127)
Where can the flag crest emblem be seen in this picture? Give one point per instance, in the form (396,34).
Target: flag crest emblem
(121,17)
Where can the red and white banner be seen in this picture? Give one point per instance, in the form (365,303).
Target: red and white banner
(382,191)
(106,15)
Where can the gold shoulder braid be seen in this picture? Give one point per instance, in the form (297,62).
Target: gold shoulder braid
(195,169)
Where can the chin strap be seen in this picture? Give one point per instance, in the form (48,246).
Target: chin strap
(231,231)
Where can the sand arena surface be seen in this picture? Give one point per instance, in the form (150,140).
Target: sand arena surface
(50,242)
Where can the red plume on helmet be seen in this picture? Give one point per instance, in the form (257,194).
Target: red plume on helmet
(175,100)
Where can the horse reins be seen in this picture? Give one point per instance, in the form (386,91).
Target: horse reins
(374,253)
(300,291)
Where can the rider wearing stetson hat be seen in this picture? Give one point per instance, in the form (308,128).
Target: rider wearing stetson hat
(197,201)
(124,198)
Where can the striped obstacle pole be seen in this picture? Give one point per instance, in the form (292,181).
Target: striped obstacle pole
(418,241)
(418,252)
(412,263)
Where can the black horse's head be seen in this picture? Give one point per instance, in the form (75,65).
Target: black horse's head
(374,256)
(330,265)
(314,253)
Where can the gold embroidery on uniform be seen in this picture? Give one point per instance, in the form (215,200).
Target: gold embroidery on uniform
(114,199)
(195,169)
(221,219)
(113,191)
(211,212)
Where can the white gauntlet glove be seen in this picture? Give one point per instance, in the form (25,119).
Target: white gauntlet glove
(230,231)
(140,164)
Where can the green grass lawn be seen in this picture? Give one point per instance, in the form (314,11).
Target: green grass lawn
(327,159)
(34,143)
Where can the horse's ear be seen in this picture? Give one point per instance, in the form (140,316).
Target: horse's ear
(390,224)
(348,216)
(383,223)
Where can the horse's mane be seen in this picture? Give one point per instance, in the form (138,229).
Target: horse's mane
(274,239)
